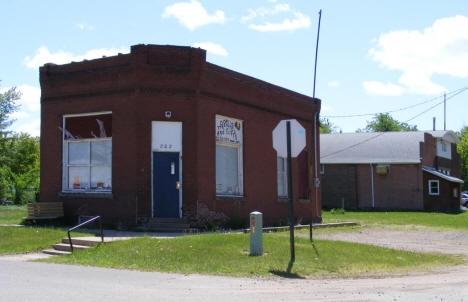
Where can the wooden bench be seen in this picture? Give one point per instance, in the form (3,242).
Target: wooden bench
(44,210)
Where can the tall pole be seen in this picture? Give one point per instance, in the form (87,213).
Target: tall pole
(290,192)
(316,51)
(445,111)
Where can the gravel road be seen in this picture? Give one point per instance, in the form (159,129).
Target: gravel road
(447,242)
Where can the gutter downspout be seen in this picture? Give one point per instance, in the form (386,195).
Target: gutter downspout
(372,184)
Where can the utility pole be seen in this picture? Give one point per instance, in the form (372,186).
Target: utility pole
(445,111)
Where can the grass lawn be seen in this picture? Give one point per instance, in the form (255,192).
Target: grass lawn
(433,220)
(12,214)
(228,254)
(17,240)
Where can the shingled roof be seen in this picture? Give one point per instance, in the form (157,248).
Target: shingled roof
(376,147)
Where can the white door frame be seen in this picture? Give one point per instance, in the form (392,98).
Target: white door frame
(161,144)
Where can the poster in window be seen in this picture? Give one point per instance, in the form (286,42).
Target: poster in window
(228,130)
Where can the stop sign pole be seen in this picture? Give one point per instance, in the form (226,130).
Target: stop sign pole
(290,192)
(287,147)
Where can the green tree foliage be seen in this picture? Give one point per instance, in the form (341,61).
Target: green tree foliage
(462,149)
(384,122)
(19,173)
(19,156)
(326,126)
(7,107)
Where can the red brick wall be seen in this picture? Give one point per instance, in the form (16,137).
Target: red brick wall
(400,189)
(338,182)
(445,201)
(138,88)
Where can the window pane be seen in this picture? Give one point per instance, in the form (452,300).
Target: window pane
(78,178)
(227,176)
(282,181)
(101,153)
(78,153)
(101,178)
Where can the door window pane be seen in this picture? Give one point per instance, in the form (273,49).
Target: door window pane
(78,153)
(227,174)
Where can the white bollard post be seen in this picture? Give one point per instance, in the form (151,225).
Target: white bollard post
(256,230)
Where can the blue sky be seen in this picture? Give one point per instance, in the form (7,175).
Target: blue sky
(374,56)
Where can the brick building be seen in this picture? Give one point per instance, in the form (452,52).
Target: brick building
(391,170)
(161,133)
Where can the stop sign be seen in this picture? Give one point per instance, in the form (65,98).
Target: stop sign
(298,138)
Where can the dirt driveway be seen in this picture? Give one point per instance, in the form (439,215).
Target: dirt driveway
(447,242)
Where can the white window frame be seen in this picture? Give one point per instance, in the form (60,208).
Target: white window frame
(240,164)
(433,181)
(284,176)
(65,164)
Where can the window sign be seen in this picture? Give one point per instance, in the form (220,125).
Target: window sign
(228,130)
(229,178)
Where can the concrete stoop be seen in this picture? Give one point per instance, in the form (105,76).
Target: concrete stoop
(64,247)
(169,225)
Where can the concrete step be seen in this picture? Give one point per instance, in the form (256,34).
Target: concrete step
(55,252)
(169,225)
(83,241)
(66,247)
(171,230)
(167,220)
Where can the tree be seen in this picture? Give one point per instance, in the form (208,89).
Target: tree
(462,149)
(7,107)
(326,126)
(384,122)
(19,172)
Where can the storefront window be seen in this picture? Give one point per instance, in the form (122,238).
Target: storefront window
(229,176)
(87,153)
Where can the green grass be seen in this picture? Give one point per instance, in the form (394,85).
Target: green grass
(17,240)
(441,221)
(12,214)
(228,254)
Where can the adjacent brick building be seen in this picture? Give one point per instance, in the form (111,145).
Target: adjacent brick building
(391,170)
(160,132)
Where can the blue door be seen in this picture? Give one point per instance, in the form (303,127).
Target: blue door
(166,184)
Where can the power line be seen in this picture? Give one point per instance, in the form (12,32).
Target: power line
(455,92)
(378,134)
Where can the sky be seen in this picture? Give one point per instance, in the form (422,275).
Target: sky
(374,56)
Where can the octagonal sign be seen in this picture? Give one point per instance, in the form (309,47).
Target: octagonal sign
(298,138)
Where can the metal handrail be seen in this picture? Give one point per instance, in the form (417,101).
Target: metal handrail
(82,224)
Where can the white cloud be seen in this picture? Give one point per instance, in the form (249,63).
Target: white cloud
(84,26)
(325,108)
(297,20)
(30,100)
(300,21)
(213,48)
(192,14)
(33,128)
(333,84)
(378,88)
(440,49)
(263,11)
(27,118)
(43,55)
